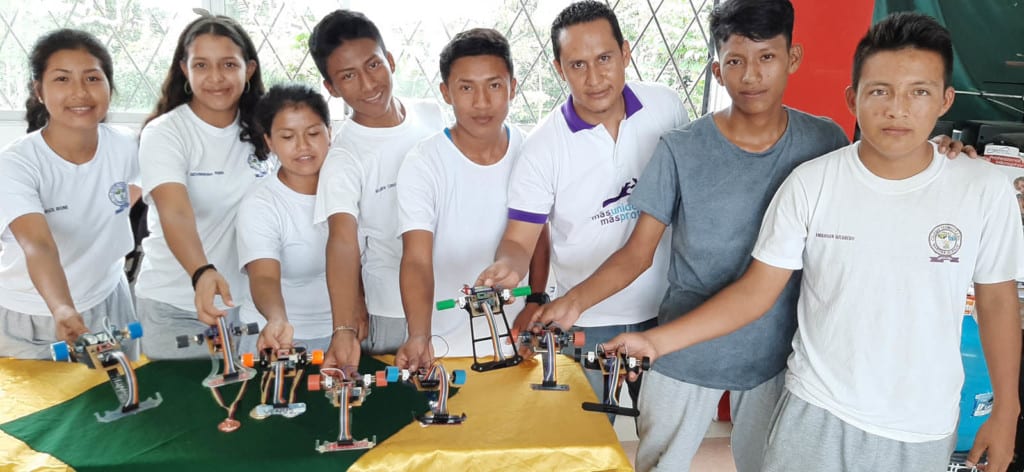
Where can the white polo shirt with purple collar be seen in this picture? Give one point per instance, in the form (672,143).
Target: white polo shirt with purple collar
(573,175)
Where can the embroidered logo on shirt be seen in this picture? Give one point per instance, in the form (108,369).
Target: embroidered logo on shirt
(118,195)
(623,212)
(626,190)
(945,241)
(261,168)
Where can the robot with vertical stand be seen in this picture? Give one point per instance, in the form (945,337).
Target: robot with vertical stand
(102,350)
(616,369)
(548,342)
(435,381)
(279,366)
(220,340)
(488,302)
(345,393)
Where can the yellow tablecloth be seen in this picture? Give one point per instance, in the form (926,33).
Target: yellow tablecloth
(509,427)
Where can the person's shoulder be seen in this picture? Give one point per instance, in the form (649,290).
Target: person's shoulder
(167,125)
(427,149)
(820,125)
(25,146)
(822,164)
(120,137)
(262,195)
(652,90)
(425,110)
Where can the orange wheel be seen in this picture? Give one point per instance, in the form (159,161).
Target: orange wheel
(579,339)
(248,359)
(313,382)
(382,378)
(318,357)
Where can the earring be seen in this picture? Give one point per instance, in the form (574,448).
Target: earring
(247,87)
(188,90)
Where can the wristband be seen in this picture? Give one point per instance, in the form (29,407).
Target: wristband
(345,328)
(539,298)
(199,273)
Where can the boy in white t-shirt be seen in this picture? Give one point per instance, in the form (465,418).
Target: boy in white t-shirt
(452,199)
(888,233)
(356,196)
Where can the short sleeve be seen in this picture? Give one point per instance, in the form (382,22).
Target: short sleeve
(783,234)
(19,189)
(418,187)
(162,159)
(259,229)
(657,191)
(1001,249)
(531,189)
(340,186)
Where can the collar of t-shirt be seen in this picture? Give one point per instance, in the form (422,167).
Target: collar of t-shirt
(448,133)
(893,187)
(210,129)
(576,124)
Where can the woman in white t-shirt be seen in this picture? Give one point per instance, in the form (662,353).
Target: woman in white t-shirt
(64,199)
(199,154)
(278,245)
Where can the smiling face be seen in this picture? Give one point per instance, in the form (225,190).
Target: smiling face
(360,73)
(479,89)
(594,65)
(217,73)
(755,73)
(300,139)
(899,97)
(74,90)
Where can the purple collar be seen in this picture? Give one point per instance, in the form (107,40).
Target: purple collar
(576,124)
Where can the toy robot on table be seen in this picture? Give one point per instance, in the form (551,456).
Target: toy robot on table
(435,381)
(221,342)
(282,369)
(547,342)
(102,350)
(345,392)
(616,369)
(488,303)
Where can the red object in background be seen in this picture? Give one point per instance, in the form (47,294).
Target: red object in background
(724,413)
(829,32)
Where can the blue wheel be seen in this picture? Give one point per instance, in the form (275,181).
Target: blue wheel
(59,351)
(134,330)
(458,377)
(392,373)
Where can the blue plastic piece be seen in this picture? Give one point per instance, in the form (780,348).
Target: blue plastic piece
(458,377)
(976,395)
(391,373)
(134,330)
(59,351)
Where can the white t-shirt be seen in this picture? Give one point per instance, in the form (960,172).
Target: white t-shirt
(886,266)
(464,205)
(575,176)
(85,205)
(276,222)
(359,178)
(217,168)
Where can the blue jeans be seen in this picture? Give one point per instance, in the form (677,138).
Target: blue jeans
(599,334)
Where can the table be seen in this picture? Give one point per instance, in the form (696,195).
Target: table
(509,425)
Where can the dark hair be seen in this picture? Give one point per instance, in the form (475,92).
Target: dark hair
(336,28)
(905,30)
(757,20)
(173,93)
(475,42)
(46,46)
(289,96)
(583,12)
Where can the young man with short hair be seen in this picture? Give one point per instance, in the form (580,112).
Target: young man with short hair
(889,234)
(356,195)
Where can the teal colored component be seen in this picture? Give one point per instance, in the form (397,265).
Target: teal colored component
(59,351)
(134,330)
(391,373)
(459,377)
(976,395)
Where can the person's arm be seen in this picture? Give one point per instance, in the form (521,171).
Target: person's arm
(616,273)
(540,265)
(999,326)
(512,259)
(735,306)
(179,225)
(43,260)
(265,286)
(416,278)
(343,281)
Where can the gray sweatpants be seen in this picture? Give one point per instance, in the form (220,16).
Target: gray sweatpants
(805,437)
(164,322)
(386,335)
(675,415)
(29,336)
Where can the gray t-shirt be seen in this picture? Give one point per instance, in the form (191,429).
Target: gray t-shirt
(714,195)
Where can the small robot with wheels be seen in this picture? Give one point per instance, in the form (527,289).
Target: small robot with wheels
(220,339)
(345,393)
(547,343)
(488,303)
(435,381)
(102,350)
(616,369)
(279,366)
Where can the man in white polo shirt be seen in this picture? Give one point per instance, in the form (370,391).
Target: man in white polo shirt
(578,168)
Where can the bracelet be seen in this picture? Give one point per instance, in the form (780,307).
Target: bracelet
(345,328)
(199,273)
